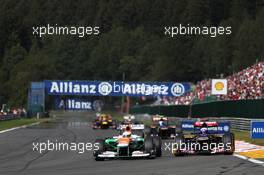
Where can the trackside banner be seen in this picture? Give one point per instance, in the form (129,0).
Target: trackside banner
(115,88)
(73,104)
(257,129)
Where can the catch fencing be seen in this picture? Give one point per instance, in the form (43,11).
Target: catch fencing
(239,113)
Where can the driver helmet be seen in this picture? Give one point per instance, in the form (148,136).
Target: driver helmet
(204,128)
(127,132)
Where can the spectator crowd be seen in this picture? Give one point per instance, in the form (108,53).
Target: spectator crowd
(246,84)
(7,114)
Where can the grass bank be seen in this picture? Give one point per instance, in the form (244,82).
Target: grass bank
(18,122)
(245,136)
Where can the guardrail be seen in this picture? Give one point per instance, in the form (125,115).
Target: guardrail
(243,124)
(238,108)
(240,123)
(8,117)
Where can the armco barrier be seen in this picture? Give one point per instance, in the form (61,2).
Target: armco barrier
(8,117)
(240,123)
(240,109)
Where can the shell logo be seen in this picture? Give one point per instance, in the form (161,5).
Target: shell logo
(219,86)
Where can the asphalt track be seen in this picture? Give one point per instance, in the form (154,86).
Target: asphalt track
(17,155)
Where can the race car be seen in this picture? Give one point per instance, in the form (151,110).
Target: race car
(127,145)
(162,127)
(103,121)
(208,137)
(130,120)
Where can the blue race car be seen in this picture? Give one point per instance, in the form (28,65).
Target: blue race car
(208,137)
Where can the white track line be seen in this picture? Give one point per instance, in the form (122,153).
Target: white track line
(19,127)
(249,159)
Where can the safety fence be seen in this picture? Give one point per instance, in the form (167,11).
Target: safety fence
(243,124)
(253,109)
(239,113)
(8,117)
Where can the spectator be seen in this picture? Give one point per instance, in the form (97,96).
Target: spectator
(246,84)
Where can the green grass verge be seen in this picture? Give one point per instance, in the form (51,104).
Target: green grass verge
(245,136)
(18,122)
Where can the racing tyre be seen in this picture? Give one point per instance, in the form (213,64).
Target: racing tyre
(179,139)
(147,131)
(101,149)
(154,132)
(178,130)
(229,143)
(149,146)
(158,143)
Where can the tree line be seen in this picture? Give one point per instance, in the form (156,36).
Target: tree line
(131,41)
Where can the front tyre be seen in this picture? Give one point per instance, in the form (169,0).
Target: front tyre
(179,140)
(100,149)
(149,146)
(158,143)
(228,140)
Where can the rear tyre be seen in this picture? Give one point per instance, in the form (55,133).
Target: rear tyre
(178,130)
(158,143)
(179,139)
(147,131)
(229,143)
(101,148)
(149,146)
(154,132)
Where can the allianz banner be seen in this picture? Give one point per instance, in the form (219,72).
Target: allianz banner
(73,104)
(115,88)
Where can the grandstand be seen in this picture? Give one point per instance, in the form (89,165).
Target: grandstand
(246,84)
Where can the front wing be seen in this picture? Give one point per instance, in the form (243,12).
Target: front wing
(111,154)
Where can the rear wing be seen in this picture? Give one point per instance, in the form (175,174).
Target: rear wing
(208,124)
(158,118)
(220,127)
(129,117)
